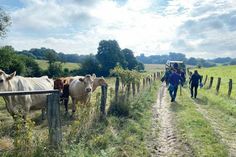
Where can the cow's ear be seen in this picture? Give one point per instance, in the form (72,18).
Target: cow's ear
(94,76)
(81,79)
(11,75)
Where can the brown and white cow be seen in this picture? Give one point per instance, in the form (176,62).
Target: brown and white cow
(80,90)
(20,105)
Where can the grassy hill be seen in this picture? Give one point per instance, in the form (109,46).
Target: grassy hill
(71,66)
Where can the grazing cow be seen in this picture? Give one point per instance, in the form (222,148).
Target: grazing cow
(80,89)
(20,105)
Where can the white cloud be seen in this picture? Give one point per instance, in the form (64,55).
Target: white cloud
(77,26)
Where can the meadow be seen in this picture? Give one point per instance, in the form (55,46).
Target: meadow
(71,66)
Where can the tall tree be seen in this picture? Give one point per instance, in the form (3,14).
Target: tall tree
(89,66)
(109,55)
(4,22)
(51,57)
(130,59)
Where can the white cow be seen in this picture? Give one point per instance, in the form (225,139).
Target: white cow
(80,90)
(18,105)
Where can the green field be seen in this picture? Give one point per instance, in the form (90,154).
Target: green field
(71,66)
(154,67)
(225,73)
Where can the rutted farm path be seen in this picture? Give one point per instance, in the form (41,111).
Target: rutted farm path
(164,140)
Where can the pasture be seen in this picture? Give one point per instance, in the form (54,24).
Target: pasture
(225,73)
(71,66)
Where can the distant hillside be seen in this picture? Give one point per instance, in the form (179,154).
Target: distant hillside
(161,59)
(42,52)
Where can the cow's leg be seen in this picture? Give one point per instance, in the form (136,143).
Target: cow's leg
(66,99)
(73,106)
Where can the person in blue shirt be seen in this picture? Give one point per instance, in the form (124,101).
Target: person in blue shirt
(194,82)
(174,81)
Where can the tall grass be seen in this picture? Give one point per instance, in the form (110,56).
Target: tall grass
(119,136)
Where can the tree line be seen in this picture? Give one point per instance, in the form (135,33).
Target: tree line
(108,56)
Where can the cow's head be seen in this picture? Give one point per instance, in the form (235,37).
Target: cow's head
(88,82)
(99,81)
(58,84)
(102,81)
(4,78)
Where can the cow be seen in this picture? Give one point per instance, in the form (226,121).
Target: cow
(62,84)
(80,90)
(98,81)
(21,105)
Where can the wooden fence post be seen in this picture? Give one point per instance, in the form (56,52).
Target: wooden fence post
(103,100)
(147,81)
(218,85)
(128,91)
(230,87)
(133,88)
(138,87)
(205,79)
(117,84)
(211,82)
(158,75)
(144,83)
(54,121)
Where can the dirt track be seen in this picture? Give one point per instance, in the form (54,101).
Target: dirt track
(164,140)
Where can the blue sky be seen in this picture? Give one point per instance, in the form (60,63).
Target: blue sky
(198,28)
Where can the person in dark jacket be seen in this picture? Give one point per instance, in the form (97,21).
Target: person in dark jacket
(174,81)
(166,76)
(194,82)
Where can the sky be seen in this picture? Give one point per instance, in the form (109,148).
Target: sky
(197,28)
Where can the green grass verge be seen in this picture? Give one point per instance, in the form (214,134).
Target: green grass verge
(224,104)
(195,129)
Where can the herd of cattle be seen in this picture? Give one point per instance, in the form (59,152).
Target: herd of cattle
(79,88)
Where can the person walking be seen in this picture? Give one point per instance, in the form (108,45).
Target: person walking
(166,76)
(174,81)
(195,80)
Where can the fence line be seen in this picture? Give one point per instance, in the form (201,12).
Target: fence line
(219,84)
